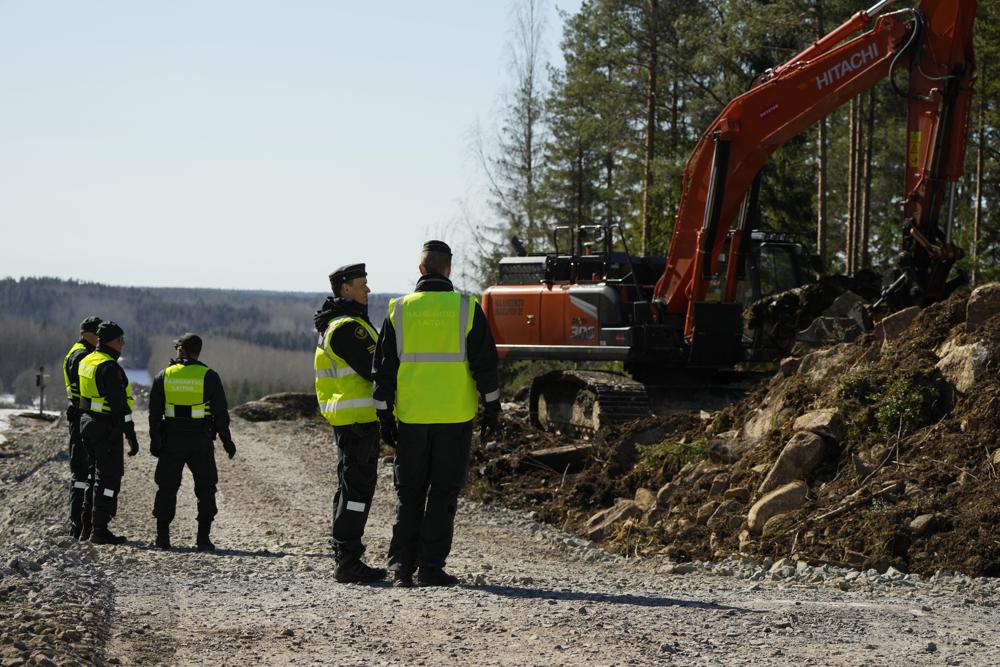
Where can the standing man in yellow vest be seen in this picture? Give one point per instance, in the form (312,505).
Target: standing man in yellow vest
(79,461)
(105,417)
(435,357)
(343,368)
(187,408)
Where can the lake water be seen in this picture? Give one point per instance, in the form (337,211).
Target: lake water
(138,376)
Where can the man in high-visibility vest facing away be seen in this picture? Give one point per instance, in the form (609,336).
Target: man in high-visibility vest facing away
(434,358)
(187,409)
(342,363)
(81,499)
(105,418)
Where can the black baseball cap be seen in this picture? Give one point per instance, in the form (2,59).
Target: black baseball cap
(346,273)
(91,324)
(109,331)
(190,342)
(437,246)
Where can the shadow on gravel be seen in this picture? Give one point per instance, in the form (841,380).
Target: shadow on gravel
(611,598)
(241,553)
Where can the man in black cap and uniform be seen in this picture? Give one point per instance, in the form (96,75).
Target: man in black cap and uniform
(187,408)
(343,368)
(106,416)
(434,358)
(80,498)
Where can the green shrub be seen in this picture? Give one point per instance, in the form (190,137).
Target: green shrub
(902,407)
(672,455)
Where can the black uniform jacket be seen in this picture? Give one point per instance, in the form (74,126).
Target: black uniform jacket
(72,369)
(351,342)
(481,350)
(215,396)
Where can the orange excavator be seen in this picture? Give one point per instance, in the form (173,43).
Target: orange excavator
(679,320)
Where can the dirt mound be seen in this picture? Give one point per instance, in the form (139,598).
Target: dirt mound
(279,407)
(877,453)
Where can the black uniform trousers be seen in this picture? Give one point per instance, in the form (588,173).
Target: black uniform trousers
(105,445)
(432,464)
(357,474)
(81,496)
(196,450)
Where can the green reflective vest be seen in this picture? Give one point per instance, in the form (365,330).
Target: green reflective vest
(433,384)
(344,396)
(184,391)
(72,384)
(90,397)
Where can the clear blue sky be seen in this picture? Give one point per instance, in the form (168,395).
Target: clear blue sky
(241,143)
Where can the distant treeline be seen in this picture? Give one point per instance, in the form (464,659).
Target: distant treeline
(259,331)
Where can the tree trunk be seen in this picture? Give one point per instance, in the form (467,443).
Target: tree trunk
(821,192)
(866,209)
(978,216)
(821,164)
(647,180)
(852,163)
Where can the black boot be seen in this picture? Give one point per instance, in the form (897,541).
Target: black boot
(435,576)
(102,535)
(354,571)
(163,535)
(75,529)
(85,527)
(205,544)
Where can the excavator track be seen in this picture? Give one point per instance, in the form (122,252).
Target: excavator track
(585,401)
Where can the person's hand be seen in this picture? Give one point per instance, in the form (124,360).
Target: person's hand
(155,447)
(387,427)
(489,428)
(133,444)
(230,448)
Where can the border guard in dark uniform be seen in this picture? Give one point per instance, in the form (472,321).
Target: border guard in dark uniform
(435,357)
(343,369)
(106,416)
(187,409)
(81,500)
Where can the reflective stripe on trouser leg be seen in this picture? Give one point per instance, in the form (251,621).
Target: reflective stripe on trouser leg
(357,474)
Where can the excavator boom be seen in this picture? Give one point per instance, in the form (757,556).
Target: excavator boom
(934,39)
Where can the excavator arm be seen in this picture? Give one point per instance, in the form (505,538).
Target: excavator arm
(933,42)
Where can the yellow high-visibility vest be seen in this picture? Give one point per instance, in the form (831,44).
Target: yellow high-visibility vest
(184,387)
(72,385)
(90,397)
(433,384)
(344,396)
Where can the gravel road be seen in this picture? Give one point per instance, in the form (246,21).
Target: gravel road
(530,595)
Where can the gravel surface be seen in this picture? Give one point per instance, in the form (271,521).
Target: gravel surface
(529,594)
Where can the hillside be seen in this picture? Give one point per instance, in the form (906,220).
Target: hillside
(262,339)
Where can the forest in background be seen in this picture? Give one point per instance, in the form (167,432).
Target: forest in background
(260,342)
(605,137)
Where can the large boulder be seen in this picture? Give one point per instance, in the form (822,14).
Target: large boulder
(984,303)
(821,366)
(889,328)
(802,454)
(727,447)
(964,366)
(600,524)
(828,423)
(782,500)
(279,407)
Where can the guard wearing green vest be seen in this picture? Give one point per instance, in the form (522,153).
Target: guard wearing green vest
(187,409)
(81,499)
(105,418)
(343,368)
(434,358)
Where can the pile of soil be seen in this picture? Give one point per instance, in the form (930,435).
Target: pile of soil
(285,406)
(909,480)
